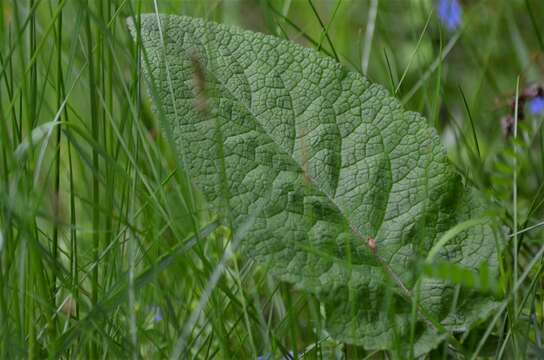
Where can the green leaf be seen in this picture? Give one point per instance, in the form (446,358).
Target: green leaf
(328,160)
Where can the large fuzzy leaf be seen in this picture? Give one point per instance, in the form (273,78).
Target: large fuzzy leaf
(325,160)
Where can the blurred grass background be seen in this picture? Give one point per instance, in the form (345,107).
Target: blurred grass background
(103,250)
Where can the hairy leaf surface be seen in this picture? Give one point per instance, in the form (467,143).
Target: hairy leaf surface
(326,160)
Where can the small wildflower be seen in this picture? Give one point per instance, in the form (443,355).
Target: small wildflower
(531,99)
(536,106)
(450,13)
(157,314)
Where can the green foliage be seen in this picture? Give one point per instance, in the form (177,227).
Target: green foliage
(344,190)
(107,251)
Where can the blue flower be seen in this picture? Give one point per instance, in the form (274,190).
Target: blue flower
(157,314)
(450,13)
(536,105)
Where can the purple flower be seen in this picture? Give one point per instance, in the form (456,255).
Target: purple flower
(536,106)
(450,13)
(157,314)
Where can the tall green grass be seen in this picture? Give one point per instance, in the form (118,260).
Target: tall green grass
(105,249)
